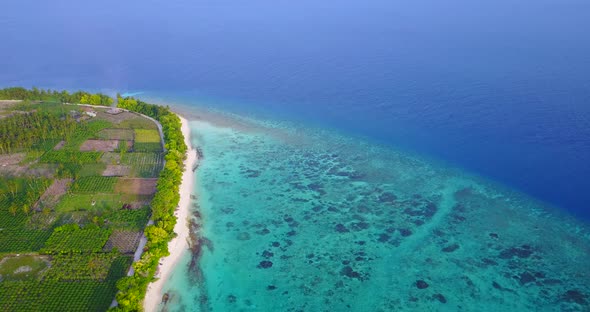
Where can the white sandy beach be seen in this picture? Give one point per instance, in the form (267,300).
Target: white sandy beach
(180,243)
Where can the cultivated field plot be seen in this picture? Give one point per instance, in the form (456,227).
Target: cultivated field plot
(116,134)
(129,219)
(116,171)
(118,120)
(99,145)
(72,238)
(136,186)
(10,164)
(94,185)
(144,165)
(53,194)
(88,170)
(147,136)
(137,122)
(147,141)
(111,158)
(124,240)
(64,156)
(89,202)
(11,159)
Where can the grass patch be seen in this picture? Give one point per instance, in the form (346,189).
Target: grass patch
(92,169)
(77,202)
(147,147)
(147,136)
(115,134)
(137,123)
(21,268)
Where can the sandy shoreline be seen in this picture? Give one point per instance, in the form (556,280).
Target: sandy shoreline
(180,243)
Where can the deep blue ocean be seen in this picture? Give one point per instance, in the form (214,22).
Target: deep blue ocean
(499,88)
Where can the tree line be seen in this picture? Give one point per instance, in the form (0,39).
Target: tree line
(132,289)
(35,94)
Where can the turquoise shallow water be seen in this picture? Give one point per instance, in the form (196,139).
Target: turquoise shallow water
(297,219)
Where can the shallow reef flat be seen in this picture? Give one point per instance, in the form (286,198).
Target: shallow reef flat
(308,220)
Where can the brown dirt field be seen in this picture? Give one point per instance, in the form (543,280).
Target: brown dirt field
(124,241)
(116,171)
(9,164)
(136,186)
(16,170)
(11,159)
(102,145)
(53,193)
(59,145)
(4,104)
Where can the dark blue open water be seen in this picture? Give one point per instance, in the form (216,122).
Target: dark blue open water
(501,88)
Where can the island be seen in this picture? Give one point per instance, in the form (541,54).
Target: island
(92,196)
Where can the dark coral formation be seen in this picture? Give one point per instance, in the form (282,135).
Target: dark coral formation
(440,298)
(265,264)
(340,228)
(349,272)
(421,284)
(451,248)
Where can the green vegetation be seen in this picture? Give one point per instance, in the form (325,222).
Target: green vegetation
(80,267)
(147,141)
(147,136)
(117,134)
(64,224)
(21,268)
(144,165)
(89,202)
(94,184)
(92,169)
(134,219)
(71,238)
(55,96)
(133,288)
(17,196)
(51,295)
(34,128)
(72,157)
(84,132)
(137,123)
(147,147)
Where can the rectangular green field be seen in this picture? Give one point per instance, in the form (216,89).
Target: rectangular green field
(76,202)
(137,123)
(92,169)
(144,165)
(93,185)
(116,134)
(147,136)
